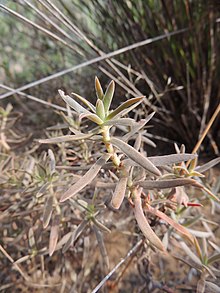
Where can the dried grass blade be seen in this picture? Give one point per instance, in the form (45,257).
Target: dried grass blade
(86,179)
(66,138)
(143,223)
(48,209)
(163,184)
(54,233)
(119,193)
(135,156)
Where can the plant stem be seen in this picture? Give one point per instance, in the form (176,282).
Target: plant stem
(109,147)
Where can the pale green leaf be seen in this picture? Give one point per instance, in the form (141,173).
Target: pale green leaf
(93,117)
(107,99)
(85,102)
(100,111)
(125,106)
(99,90)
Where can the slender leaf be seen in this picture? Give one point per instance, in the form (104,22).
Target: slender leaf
(139,125)
(85,102)
(75,235)
(54,233)
(101,226)
(86,179)
(163,184)
(124,106)
(160,161)
(123,121)
(144,225)
(66,138)
(119,193)
(208,165)
(107,99)
(72,103)
(99,90)
(135,156)
(100,111)
(93,117)
(52,161)
(170,221)
(48,209)
(214,258)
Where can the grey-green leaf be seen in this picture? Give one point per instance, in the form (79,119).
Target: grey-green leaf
(72,103)
(123,121)
(159,161)
(66,138)
(119,192)
(135,156)
(48,209)
(86,179)
(85,102)
(74,236)
(109,95)
(163,184)
(125,106)
(99,90)
(208,165)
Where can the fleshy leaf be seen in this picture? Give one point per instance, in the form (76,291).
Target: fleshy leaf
(123,121)
(54,233)
(108,96)
(143,223)
(72,103)
(119,193)
(92,117)
(48,209)
(135,156)
(163,184)
(99,90)
(159,161)
(74,236)
(124,106)
(85,102)
(100,111)
(66,138)
(208,165)
(86,179)
(170,221)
